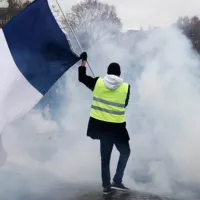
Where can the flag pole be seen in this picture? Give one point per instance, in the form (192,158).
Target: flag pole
(73,34)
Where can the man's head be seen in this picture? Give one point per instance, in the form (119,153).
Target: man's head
(114,69)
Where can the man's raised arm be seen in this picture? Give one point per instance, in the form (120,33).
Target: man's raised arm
(88,81)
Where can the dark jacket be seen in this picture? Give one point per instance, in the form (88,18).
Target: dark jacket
(96,127)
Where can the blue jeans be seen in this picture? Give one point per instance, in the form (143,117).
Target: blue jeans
(106,145)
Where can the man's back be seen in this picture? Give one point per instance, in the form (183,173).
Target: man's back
(109,100)
(97,127)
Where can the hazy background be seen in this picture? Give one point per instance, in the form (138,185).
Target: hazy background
(163,115)
(144,13)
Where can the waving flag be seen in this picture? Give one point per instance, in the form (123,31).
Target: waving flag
(34,54)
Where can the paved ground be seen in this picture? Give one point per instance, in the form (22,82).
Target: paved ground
(19,183)
(119,196)
(82,194)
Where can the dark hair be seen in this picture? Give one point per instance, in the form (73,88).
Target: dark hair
(114,69)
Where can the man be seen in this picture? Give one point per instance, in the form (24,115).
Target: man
(107,122)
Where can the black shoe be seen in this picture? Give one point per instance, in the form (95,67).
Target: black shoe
(119,187)
(108,190)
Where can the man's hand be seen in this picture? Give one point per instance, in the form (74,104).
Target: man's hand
(83,56)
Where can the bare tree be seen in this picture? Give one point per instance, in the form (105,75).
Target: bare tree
(14,7)
(17,4)
(191,28)
(92,20)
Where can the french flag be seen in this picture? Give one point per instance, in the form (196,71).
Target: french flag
(34,54)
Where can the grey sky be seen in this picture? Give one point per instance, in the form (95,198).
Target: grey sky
(136,13)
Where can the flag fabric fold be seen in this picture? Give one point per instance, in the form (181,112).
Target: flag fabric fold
(34,54)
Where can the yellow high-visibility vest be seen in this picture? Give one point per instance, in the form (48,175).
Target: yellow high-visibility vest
(109,105)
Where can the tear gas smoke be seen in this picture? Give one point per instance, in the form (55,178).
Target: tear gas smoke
(162,119)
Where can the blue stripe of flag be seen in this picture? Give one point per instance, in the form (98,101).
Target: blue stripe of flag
(38,46)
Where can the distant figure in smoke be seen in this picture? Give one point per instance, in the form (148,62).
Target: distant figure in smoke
(107,121)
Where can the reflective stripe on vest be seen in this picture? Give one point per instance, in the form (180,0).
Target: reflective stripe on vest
(109,105)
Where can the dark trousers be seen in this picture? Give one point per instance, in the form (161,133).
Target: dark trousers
(106,145)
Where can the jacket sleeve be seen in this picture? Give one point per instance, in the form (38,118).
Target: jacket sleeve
(88,81)
(128,96)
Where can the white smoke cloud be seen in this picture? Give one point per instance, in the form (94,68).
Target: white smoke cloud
(162,120)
